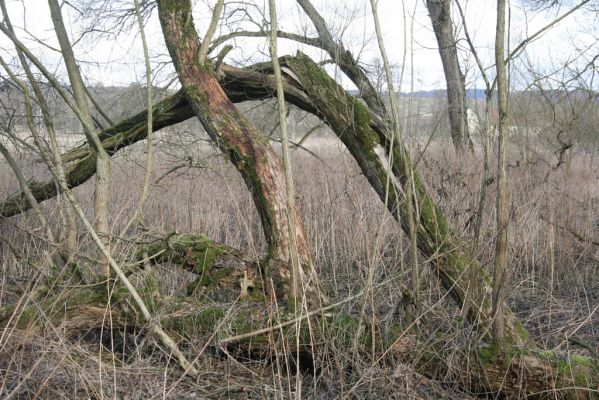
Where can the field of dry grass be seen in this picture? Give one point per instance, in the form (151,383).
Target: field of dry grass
(553,284)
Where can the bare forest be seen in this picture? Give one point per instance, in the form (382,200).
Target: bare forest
(299,199)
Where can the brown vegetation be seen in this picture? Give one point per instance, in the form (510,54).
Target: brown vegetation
(548,263)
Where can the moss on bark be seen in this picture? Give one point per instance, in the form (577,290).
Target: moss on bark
(370,143)
(515,372)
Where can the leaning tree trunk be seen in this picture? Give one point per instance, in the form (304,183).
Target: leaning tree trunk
(362,133)
(440,14)
(248,149)
(239,84)
(364,137)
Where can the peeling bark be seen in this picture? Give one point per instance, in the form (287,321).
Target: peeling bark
(248,149)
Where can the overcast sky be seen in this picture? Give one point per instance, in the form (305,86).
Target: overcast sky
(118,60)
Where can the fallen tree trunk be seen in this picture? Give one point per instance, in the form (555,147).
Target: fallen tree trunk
(242,324)
(221,270)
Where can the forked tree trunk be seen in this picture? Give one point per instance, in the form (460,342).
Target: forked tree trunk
(248,149)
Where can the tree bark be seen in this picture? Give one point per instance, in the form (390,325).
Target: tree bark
(502,213)
(248,149)
(365,138)
(286,157)
(440,14)
(70,221)
(103,169)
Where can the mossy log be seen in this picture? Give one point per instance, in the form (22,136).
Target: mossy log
(512,371)
(229,308)
(221,270)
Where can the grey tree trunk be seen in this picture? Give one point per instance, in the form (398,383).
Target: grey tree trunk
(103,169)
(499,271)
(440,14)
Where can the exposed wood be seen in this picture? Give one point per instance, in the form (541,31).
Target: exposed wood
(247,148)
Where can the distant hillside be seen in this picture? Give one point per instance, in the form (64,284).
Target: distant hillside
(471,94)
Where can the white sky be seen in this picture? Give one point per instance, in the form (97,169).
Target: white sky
(119,60)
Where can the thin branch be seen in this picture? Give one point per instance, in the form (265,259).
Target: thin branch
(316,42)
(581,237)
(205,45)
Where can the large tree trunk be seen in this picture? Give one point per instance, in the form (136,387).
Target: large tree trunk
(248,149)
(440,14)
(365,138)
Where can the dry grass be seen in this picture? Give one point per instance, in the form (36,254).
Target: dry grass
(554,283)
